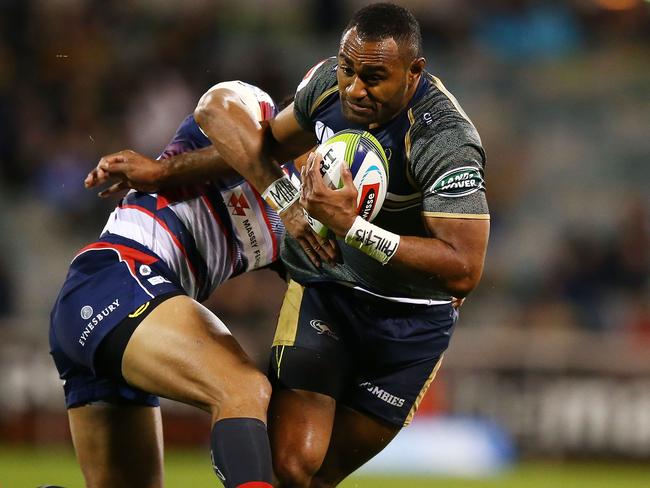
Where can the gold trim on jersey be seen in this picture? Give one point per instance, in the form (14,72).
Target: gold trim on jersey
(395,203)
(285,333)
(424,389)
(447,215)
(394,197)
(407,149)
(407,136)
(322,97)
(438,84)
(139,311)
(400,209)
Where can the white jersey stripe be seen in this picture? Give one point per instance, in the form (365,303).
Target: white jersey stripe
(195,215)
(137,225)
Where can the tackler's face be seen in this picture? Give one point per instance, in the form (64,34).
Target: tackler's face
(376,78)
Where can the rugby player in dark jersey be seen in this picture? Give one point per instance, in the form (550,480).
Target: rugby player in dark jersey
(359,341)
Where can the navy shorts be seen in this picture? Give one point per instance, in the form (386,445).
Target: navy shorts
(373,355)
(108,281)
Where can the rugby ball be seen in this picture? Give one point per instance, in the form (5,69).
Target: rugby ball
(367,161)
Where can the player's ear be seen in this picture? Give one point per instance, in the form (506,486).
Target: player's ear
(417,66)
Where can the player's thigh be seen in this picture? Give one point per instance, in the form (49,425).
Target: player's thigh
(356,438)
(308,370)
(182,351)
(118,445)
(310,350)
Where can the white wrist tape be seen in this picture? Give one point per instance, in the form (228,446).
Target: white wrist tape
(281,194)
(374,241)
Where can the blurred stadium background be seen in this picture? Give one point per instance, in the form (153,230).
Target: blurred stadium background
(547,382)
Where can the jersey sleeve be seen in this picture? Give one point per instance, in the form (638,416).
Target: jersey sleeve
(448,164)
(318,80)
(188,137)
(257,101)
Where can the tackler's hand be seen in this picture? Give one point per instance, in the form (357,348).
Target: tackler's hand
(130,169)
(316,248)
(457,302)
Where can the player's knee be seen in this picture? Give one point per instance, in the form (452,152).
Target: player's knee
(258,388)
(246,393)
(295,469)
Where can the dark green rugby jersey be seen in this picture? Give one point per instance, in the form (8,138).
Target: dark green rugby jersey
(436,169)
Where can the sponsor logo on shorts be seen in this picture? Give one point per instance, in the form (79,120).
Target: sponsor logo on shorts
(382,394)
(145,270)
(86,312)
(158,280)
(96,320)
(322,328)
(458,182)
(139,311)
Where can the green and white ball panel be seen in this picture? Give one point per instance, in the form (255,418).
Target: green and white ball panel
(368,164)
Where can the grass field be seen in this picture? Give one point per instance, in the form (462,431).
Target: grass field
(29,468)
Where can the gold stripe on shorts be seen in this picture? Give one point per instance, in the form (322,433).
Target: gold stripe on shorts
(285,333)
(427,383)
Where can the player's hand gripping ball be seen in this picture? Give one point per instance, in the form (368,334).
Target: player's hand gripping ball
(361,151)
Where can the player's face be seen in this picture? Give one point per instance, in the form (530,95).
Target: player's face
(376,78)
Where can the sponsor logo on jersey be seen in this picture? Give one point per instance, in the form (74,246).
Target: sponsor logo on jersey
(255,238)
(458,182)
(86,312)
(96,320)
(368,200)
(145,270)
(323,132)
(254,246)
(322,328)
(382,394)
(238,204)
(158,280)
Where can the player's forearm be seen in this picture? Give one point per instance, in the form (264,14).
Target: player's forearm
(191,167)
(457,272)
(455,262)
(239,139)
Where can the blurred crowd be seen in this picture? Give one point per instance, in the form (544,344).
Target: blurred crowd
(559,90)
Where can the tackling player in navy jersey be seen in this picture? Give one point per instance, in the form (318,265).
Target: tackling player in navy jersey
(127,324)
(360,340)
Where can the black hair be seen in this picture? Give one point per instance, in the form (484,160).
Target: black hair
(380,21)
